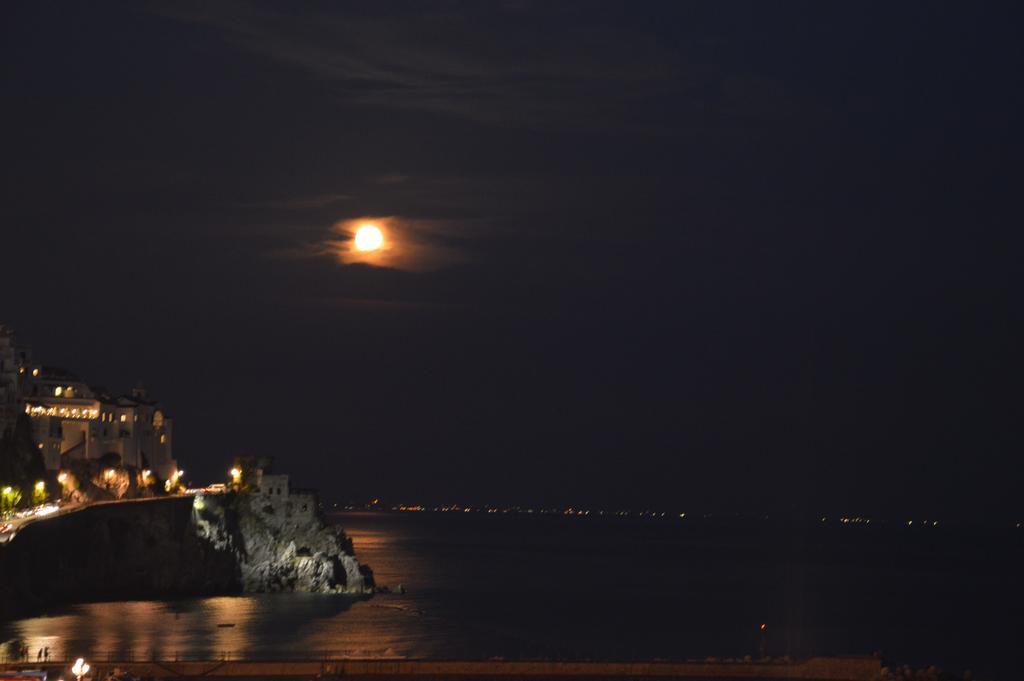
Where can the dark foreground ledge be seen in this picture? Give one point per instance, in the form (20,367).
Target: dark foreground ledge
(811,669)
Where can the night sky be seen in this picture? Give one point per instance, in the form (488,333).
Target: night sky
(717,256)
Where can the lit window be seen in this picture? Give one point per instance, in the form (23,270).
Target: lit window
(57,391)
(163,439)
(124,417)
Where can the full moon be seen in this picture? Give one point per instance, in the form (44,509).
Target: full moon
(368,238)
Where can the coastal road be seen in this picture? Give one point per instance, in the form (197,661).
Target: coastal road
(18,524)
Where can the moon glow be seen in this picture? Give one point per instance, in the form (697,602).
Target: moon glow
(368,238)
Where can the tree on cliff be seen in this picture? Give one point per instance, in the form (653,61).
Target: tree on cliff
(21,462)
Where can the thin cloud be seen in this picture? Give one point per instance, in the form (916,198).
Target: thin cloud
(409,244)
(364,303)
(554,71)
(299,203)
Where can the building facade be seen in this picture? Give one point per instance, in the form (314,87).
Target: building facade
(12,369)
(273,494)
(73,420)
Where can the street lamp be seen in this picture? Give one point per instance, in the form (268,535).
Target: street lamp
(80,669)
(9,498)
(236,475)
(175,478)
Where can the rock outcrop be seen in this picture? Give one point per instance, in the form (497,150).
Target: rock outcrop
(175,547)
(281,546)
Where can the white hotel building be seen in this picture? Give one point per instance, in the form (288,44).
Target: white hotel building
(72,420)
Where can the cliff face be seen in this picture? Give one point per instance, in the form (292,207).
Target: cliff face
(281,544)
(140,549)
(173,547)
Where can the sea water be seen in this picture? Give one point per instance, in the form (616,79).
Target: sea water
(525,587)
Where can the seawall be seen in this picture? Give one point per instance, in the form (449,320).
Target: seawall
(120,551)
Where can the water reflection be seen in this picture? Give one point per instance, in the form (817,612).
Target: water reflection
(261,626)
(254,626)
(555,588)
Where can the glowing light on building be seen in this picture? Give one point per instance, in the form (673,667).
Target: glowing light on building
(38,410)
(80,669)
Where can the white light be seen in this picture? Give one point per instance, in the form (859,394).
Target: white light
(80,669)
(369,238)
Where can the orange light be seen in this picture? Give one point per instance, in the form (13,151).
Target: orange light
(763,627)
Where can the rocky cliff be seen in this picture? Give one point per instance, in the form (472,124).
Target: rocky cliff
(174,547)
(281,545)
